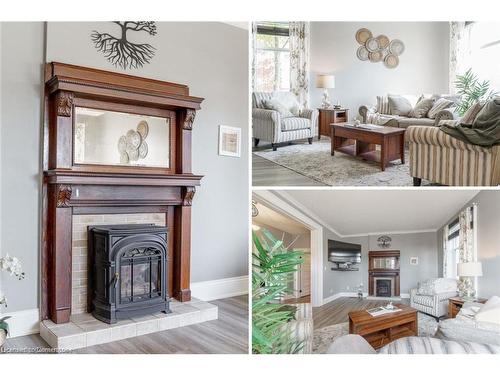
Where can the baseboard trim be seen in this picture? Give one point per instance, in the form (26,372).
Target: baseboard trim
(221,288)
(23,322)
(341,294)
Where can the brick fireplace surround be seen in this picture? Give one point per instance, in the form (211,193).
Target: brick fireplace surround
(75,195)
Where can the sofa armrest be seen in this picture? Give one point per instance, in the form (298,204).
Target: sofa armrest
(311,114)
(364,110)
(446,114)
(266,114)
(266,124)
(432,135)
(413,292)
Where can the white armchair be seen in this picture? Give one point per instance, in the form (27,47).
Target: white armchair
(431,296)
(270,126)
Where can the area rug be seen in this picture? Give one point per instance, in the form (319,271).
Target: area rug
(314,161)
(323,337)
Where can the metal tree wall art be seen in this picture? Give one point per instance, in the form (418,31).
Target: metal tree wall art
(121,52)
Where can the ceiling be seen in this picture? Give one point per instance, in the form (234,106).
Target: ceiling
(353,212)
(269,217)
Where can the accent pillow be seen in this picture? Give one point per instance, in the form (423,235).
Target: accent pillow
(383,105)
(289,100)
(399,105)
(490,312)
(276,105)
(439,105)
(471,113)
(421,108)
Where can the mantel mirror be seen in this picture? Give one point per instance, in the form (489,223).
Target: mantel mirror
(103,137)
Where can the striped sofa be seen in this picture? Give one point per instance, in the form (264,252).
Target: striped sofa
(268,125)
(439,158)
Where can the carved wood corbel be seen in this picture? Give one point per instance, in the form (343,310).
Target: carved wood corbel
(64,195)
(64,103)
(189,119)
(188,195)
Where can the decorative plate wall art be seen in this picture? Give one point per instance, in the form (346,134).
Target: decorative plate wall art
(362,53)
(379,49)
(133,145)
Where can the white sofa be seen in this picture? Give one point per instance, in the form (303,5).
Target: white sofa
(268,125)
(464,327)
(431,296)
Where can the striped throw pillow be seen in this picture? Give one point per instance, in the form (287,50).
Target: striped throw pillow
(471,113)
(383,105)
(439,105)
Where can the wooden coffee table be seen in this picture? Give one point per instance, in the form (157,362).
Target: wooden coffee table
(362,140)
(383,329)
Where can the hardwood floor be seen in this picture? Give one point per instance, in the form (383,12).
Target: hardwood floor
(227,335)
(336,311)
(267,173)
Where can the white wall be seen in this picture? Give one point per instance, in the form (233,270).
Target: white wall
(211,58)
(423,66)
(21,89)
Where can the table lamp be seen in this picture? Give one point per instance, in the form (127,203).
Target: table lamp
(326,81)
(468,271)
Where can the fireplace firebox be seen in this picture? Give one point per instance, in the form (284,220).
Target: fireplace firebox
(127,271)
(383,288)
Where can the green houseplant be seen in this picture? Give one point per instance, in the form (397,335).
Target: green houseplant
(273,266)
(470,90)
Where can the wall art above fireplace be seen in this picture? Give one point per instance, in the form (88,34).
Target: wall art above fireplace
(87,113)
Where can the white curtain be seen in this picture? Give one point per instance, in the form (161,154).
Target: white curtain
(446,233)
(460,51)
(299,61)
(254,52)
(466,238)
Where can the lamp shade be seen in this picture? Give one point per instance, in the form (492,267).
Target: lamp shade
(470,269)
(326,81)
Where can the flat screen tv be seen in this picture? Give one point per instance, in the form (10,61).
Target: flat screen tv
(344,256)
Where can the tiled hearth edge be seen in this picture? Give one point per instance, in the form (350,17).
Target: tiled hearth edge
(27,322)
(84,330)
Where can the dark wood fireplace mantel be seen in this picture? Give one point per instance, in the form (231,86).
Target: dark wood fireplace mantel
(71,189)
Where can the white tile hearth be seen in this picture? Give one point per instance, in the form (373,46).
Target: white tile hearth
(84,330)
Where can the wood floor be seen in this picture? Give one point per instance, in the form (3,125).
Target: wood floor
(227,335)
(336,311)
(267,173)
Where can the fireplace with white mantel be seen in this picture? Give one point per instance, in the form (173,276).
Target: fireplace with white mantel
(114,145)
(383,273)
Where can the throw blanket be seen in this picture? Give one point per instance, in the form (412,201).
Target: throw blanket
(484,131)
(430,345)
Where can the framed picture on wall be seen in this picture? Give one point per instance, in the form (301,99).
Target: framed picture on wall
(229,141)
(414,261)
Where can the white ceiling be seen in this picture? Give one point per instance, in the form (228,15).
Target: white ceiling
(274,219)
(353,212)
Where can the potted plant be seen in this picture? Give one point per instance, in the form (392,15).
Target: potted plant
(470,90)
(13,266)
(273,267)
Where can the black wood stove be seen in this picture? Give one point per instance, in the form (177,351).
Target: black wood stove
(128,271)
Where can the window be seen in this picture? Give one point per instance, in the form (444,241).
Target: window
(485,52)
(272,57)
(452,252)
(452,249)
